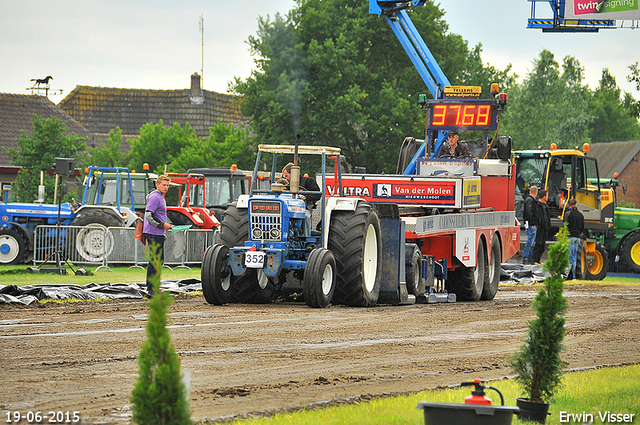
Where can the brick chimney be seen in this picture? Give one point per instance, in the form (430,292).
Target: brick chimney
(197,97)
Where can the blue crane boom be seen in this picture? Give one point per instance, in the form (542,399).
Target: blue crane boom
(422,58)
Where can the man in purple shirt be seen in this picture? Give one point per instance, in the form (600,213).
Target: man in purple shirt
(155,224)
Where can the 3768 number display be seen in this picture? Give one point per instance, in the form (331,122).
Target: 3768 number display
(473,116)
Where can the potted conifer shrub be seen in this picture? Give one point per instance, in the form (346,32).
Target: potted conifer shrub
(537,362)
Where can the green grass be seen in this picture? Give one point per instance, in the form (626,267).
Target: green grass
(18,275)
(608,389)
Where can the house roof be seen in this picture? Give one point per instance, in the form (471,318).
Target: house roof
(102,109)
(613,157)
(16,114)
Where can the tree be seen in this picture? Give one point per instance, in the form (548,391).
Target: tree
(338,76)
(537,362)
(38,151)
(111,154)
(160,145)
(226,145)
(159,395)
(549,106)
(614,121)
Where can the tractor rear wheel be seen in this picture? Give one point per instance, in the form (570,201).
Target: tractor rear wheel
(598,266)
(492,280)
(319,281)
(216,275)
(468,283)
(355,240)
(413,269)
(94,242)
(13,246)
(630,252)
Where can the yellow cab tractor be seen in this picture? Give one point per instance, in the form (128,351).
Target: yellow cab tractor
(566,174)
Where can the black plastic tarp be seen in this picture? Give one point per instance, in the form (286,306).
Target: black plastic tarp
(30,293)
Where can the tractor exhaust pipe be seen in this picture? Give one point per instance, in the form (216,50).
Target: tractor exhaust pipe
(294,184)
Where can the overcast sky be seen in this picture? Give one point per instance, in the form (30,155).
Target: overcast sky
(158,44)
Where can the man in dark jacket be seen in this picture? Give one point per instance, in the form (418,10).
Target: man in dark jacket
(307,186)
(575,225)
(452,149)
(530,216)
(544,225)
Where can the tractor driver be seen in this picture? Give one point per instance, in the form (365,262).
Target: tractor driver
(307,184)
(452,149)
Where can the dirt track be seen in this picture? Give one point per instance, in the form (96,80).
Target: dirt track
(247,359)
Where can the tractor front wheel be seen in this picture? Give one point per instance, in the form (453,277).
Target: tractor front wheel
(216,275)
(319,281)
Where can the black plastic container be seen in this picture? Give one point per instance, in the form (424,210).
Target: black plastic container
(466,414)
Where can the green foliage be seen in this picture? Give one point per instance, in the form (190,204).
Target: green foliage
(615,119)
(537,362)
(111,154)
(551,105)
(159,395)
(338,76)
(160,145)
(226,145)
(38,151)
(624,203)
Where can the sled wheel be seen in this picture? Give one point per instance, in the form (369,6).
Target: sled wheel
(413,269)
(493,271)
(468,283)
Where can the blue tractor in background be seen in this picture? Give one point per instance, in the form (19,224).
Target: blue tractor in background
(107,201)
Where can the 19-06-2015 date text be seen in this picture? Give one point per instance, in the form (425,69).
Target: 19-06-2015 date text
(38,417)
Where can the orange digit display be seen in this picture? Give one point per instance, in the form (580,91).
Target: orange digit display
(472,116)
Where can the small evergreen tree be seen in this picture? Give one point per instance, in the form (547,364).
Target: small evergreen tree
(159,396)
(537,362)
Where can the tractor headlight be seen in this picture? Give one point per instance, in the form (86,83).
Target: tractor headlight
(256,233)
(275,233)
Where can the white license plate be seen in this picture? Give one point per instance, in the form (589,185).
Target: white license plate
(254,259)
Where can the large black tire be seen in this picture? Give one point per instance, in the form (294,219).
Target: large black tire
(216,275)
(581,266)
(14,246)
(492,280)
(598,267)
(468,283)
(91,243)
(630,252)
(252,287)
(319,281)
(413,269)
(354,239)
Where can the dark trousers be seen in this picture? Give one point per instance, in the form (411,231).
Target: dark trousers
(541,240)
(154,240)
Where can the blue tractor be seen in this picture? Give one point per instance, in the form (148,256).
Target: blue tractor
(107,201)
(269,244)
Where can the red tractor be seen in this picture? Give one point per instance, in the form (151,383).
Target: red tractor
(186,213)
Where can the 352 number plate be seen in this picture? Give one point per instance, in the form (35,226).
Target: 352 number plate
(254,259)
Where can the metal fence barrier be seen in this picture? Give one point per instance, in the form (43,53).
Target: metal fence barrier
(102,246)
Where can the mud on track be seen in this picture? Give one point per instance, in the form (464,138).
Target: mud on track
(247,359)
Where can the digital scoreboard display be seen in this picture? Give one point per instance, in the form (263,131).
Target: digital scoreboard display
(465,115)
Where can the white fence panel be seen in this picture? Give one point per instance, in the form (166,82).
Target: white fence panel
(98,245)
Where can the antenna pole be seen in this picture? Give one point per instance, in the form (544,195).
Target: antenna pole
(202,35)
